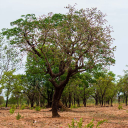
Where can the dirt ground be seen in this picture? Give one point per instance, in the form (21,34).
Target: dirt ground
(43,119)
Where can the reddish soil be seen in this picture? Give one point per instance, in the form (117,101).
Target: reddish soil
(43,119)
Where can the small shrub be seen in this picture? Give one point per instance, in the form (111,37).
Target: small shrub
(18,116)
(31,108)
(89,125)
(100,122)
(38,108)
(22,107)
(13,106)
(43,107)
(11,110)
(74,106)
(120,107)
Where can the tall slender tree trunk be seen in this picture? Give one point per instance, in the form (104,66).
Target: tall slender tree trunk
(78,102)
(74,99)
(126,101)
(84,102)
(6,102)
(111,102)
(102,101)
(69,99)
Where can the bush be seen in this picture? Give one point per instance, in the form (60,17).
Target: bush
(31,108)
(120,107)
(1,100)
(89,125)
(13,106)
(11,110)
(74,106)
(22,107)
(18,116)
(37,108)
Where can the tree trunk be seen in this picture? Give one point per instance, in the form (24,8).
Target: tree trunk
(78,102)
(96,100)
(55,103)
(126,101)
(32,104)
(108,101)
(119,99)
(84,102)
(102,101)
(111,103)
(74,99)
(6,102)
(69,99)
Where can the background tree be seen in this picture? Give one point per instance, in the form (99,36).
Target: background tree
(9,57)
(2,100)
(7,82)
(76,42)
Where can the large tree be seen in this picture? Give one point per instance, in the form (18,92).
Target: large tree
(74,42)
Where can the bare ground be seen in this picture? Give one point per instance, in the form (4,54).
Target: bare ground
(43,119)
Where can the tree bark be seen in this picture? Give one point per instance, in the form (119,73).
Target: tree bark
(69,99)
(111,103)
(6,102)
(84,102)
(55,103)
(126,101)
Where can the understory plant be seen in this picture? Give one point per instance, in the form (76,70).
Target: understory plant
(120,107)
(38,108)
(76,124)
(18,116)
(11,110)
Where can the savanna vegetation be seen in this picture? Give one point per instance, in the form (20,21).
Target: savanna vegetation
(68,57)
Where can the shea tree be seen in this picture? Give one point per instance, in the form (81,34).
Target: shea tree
(70,43)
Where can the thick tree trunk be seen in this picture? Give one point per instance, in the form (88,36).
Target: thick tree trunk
(55,103)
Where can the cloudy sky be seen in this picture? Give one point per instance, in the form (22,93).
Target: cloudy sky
(116,10)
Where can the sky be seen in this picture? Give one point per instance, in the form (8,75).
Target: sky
(116,10)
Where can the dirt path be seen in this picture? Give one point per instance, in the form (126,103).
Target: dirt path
(42,119)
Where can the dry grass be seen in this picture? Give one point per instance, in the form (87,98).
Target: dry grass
(42,119)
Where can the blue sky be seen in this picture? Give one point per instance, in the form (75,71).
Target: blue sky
(116,10)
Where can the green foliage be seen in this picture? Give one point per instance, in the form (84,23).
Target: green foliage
(13,106)
(62,47)
(43,107)
(37,108)
(2,100)
(100,122)
(31,108)
(22,107)
(89,125)
(18,116)
(120,107)
(11,110)
(74,106)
